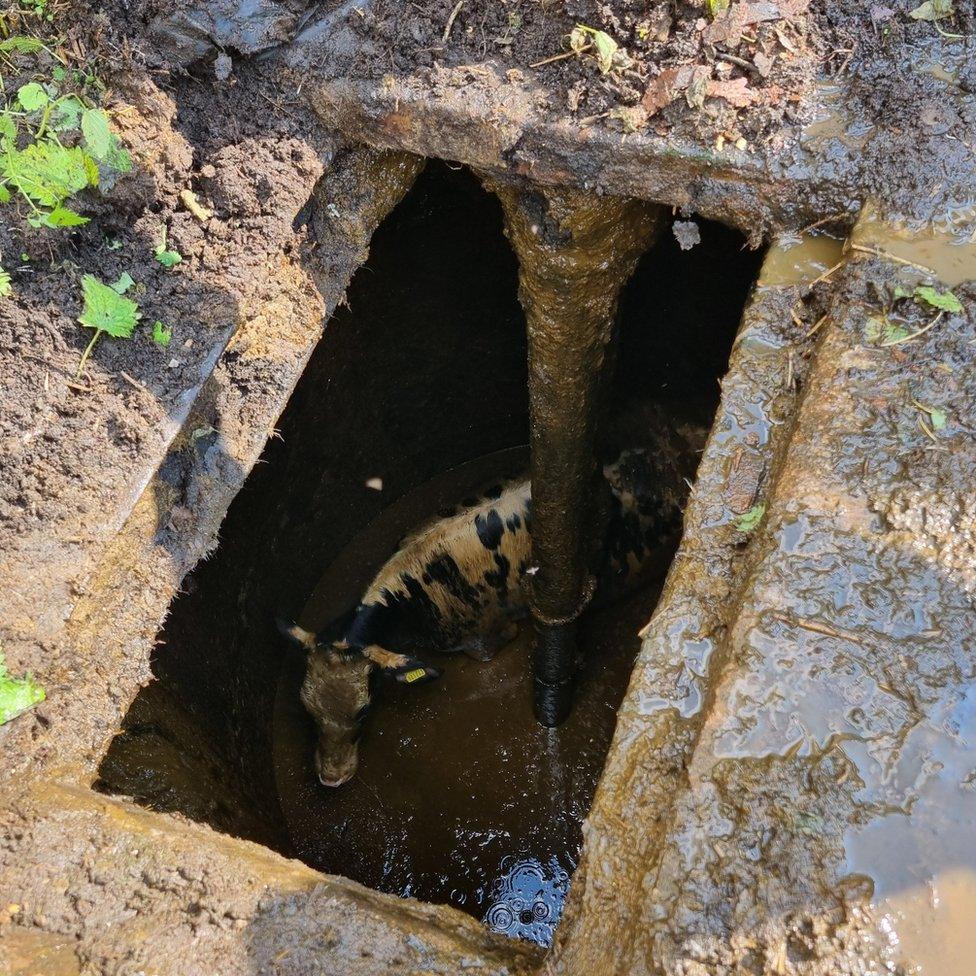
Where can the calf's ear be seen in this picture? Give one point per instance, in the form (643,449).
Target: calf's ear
(407,670)
(297,635)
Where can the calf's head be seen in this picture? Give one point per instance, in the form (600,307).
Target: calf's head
(336,692)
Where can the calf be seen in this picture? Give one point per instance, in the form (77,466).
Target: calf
(460,584)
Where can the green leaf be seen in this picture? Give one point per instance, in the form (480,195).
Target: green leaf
(5,286)
(124,283)
(4,194)
(16,694)
(118,157)
(168,258)
(749,520)
(606,46)
(8,130)
(22,45)
(91,169)
(58,73)
(67,114)
(944,300)
(46,172)
(883,331)
(938,418)
(98,135)
(715,7)
(162,335)
(106,310)
(932,10)
(63,217)
(32,96)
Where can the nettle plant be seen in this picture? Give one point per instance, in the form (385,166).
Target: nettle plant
(56,140)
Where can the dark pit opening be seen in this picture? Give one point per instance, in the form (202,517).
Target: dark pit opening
(418,384)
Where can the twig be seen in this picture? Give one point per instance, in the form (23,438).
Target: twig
(741,62)
(560,57)
(864,249)
(928,430)
(913,335)
(818,628)
(450,21)
(836,218)
(952,37)
(132,381)
(816,325)
(827,273)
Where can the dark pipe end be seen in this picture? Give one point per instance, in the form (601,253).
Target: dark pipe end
(554,671)
(552,703)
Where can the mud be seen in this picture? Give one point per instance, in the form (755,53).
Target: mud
(714,845)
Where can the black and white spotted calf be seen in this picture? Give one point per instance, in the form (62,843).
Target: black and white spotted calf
(459,584)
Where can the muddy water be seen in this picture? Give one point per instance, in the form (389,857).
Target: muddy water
(800,259)
(461,797)
(927,894)
(945,248)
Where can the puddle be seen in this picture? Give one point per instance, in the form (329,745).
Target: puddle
(947,249)
(927,892)
(461,796)
(800,259)
(835,123)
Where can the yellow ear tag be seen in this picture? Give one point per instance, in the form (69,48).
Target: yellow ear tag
(414,675)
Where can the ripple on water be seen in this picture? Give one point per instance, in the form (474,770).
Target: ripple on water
(528,897)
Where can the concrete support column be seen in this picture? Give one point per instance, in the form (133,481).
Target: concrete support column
(575,251)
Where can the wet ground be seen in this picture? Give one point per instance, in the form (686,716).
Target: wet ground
(461,796)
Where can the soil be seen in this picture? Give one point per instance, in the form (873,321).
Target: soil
(73,444)
(898,85)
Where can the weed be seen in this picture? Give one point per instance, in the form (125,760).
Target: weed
(105,310)
(54,142)
(17,694)
(166,257)
(162,335)
(945,301)
(5,286)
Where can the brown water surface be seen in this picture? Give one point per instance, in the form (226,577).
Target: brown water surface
(461,796)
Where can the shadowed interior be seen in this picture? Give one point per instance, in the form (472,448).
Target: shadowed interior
(460,796)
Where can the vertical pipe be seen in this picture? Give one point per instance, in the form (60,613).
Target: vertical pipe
(575,251)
